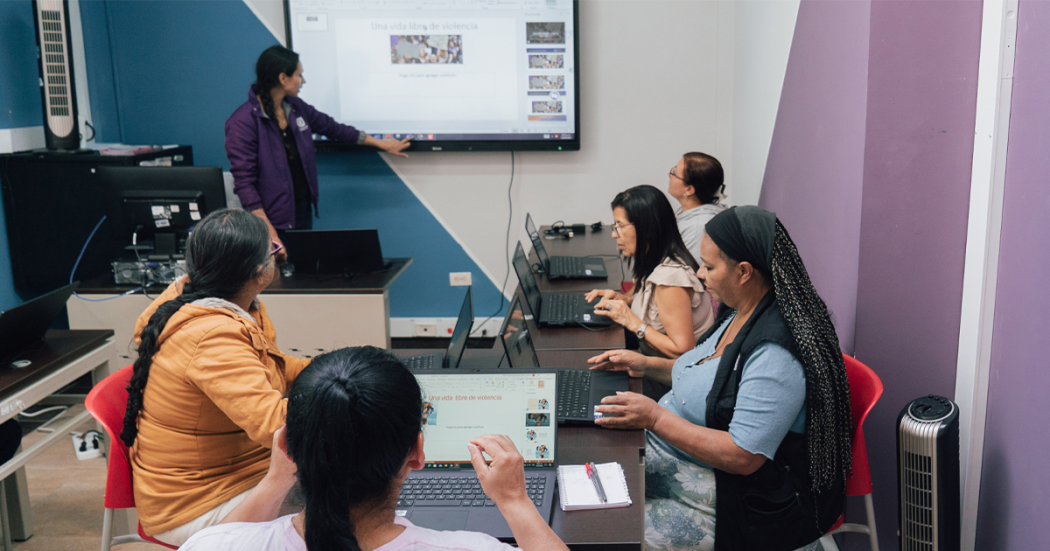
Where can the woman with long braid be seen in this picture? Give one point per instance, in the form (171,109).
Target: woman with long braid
(271,150)
(758,415)
(354,434)
(207,393)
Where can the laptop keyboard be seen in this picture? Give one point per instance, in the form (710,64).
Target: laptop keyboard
(562,307)
(420,362)
(574,393)
(462,491)
(567,265)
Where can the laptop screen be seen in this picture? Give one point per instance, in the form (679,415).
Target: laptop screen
(537,242)
(462,331)
(527,280)
(516,339)
(460,406)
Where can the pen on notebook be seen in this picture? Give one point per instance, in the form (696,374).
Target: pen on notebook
(592,473)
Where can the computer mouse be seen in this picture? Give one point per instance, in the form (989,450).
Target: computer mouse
(287,269)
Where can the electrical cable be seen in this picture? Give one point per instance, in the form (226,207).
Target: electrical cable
(77,263)
(43,428)
(506,249)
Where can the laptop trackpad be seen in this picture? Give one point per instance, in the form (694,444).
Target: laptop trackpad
(440,520)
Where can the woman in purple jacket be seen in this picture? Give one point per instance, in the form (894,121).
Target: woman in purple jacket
(270,146)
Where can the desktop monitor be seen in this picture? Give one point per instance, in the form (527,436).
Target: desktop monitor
(157,206)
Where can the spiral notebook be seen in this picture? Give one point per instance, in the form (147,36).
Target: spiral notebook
(576,491)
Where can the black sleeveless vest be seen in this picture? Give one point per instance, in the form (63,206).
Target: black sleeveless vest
(774,508)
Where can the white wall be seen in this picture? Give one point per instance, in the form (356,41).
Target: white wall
(658,78)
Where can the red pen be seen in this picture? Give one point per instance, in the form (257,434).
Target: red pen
(592,474)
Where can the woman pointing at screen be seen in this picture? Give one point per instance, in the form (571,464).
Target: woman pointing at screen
(270,145)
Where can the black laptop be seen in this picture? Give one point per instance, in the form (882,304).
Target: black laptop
(579,390)
(459,405)
(23,327)
(334,251)
(554,309)
(456,345)
(564,267)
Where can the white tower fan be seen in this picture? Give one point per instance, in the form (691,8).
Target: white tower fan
(57,91)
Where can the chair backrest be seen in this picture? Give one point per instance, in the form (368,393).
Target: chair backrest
(108,402)
(865,388)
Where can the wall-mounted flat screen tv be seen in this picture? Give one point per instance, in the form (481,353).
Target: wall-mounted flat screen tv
(455,75)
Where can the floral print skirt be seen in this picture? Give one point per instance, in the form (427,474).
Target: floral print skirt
(680,502)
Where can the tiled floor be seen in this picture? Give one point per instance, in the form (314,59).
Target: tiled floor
(67,498)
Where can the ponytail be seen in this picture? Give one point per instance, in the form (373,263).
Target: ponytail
(273,62)
(354,414)
(147,348)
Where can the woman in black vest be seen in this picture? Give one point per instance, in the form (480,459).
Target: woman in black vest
(758,413)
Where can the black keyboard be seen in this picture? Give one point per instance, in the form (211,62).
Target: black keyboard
(420,362)
(574,393)
(567,265)
(562,307)
(459,490)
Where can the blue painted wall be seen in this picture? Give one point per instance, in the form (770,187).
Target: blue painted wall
(20,82)
(172,72)
(19,104)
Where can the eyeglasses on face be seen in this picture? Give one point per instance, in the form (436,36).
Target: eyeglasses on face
(675,175)
(617,227)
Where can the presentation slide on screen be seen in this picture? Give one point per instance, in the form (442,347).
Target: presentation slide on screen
(458,408)
(440,69)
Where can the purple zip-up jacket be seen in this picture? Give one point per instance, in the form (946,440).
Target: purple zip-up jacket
(261,175)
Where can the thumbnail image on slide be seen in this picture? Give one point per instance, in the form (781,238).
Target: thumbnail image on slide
(537,420)
(546,82)
(546,107)
(546,61)
(542,452)
(545,33)
(429,414)
(426,48)
(531,435)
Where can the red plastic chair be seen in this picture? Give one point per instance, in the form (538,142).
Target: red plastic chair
(107,403)
(865,389)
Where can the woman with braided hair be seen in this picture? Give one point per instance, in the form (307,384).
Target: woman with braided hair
(271,150)
(207,393)
(758,415)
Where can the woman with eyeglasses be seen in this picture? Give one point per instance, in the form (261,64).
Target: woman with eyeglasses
(207,393)
(667,308)
(697,183)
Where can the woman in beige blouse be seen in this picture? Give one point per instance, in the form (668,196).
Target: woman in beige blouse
(668,308)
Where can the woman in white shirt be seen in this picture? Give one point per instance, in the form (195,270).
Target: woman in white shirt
(353,434)
(667,308)
(697,183)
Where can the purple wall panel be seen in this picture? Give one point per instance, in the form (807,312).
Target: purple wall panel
(1014,500)
(816,157)
(922,93)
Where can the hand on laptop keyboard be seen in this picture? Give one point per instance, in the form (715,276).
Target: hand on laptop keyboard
(504,478)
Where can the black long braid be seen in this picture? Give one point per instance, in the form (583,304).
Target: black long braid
(223,253)
(273,62)
(828,422)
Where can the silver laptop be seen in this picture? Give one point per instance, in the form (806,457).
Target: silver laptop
(460,405)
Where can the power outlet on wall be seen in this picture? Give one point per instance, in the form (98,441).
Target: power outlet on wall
(459,279)
(426,329)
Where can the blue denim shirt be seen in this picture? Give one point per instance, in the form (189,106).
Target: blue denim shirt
(771,401)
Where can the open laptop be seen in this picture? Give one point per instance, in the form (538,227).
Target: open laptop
(564,267)
(579,390)
(460,405)
(456,345)
(554,309)
(24,326)
(334,251)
